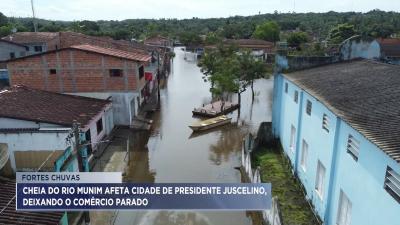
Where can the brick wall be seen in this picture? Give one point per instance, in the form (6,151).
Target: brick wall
(76,71)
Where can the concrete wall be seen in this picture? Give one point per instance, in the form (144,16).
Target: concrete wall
(7,48)
(124,105)
(31,48)
(371,204)
(76,71)
(33,141)
(362,181)
(357,48)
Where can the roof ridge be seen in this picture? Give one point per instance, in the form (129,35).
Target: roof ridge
(55,93)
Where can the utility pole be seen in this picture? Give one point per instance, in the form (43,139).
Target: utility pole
(78,152)
(33,17)
(158,79)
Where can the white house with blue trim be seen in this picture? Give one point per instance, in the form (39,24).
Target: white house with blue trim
(339,125)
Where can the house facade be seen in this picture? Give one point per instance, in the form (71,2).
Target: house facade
(11,50)
(337,125)
(35,42)
(89,71)
(35,124)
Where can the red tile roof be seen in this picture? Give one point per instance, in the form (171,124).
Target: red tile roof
(23,103)
(136,56)
(69,38)
(12,217)
(390,47)
(31,37)
(11,42)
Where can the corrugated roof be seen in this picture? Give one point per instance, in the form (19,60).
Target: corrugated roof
(20,102)
(31,37)
(12,217)
(136,56)
(363,93)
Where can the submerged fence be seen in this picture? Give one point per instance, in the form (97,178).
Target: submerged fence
(271,216)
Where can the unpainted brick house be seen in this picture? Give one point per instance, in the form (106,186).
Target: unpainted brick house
(90,71)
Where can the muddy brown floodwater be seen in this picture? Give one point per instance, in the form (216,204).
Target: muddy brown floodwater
(173,154)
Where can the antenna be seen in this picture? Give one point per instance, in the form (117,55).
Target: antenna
(33,18)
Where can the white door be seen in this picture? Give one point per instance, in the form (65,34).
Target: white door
(344,210)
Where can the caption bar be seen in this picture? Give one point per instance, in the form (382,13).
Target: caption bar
(77,196)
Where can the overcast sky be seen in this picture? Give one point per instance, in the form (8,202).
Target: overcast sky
(131,9)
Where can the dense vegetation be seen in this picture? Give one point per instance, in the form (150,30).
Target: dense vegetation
(275,169)
(317,26)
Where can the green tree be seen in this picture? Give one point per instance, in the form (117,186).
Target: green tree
(297,38)
(250,70)
(268,31)
(212,38)
(5,30)
(3,20)
(190,38)
(341,32)
(229,70)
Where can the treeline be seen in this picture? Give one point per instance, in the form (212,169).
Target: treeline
(317,26)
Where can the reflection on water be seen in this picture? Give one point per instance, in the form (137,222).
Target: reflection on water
(174,154)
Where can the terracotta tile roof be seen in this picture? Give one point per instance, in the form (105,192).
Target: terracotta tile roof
(136,56)
(390,47)
(363,93)
(31,37)
(66,38)
(12,217)
(20,102)
(156,40)
(12,42)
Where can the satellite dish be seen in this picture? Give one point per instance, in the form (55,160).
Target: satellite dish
(3,155)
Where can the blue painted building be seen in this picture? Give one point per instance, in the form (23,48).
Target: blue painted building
(339,125)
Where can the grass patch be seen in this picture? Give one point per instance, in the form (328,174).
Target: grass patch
(274,169)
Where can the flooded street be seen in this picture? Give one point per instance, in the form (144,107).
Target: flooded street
(173,154)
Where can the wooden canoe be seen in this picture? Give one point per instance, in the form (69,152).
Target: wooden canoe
(210,123)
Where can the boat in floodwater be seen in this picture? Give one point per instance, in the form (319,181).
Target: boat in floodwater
(210,123)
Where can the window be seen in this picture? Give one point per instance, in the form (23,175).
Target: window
(22,54)
(141,72)
(304,154)
(116,73)
(320,180)
(99,126)
(344,210)
(392,183)
(38,48)
(325,123)
(286,87)
(296,96)
(309,107)
(53,71)
(12,55)
(353,147)
(292,138)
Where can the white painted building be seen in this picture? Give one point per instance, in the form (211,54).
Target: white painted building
(34,125)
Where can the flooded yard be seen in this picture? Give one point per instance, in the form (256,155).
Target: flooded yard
(172,153)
